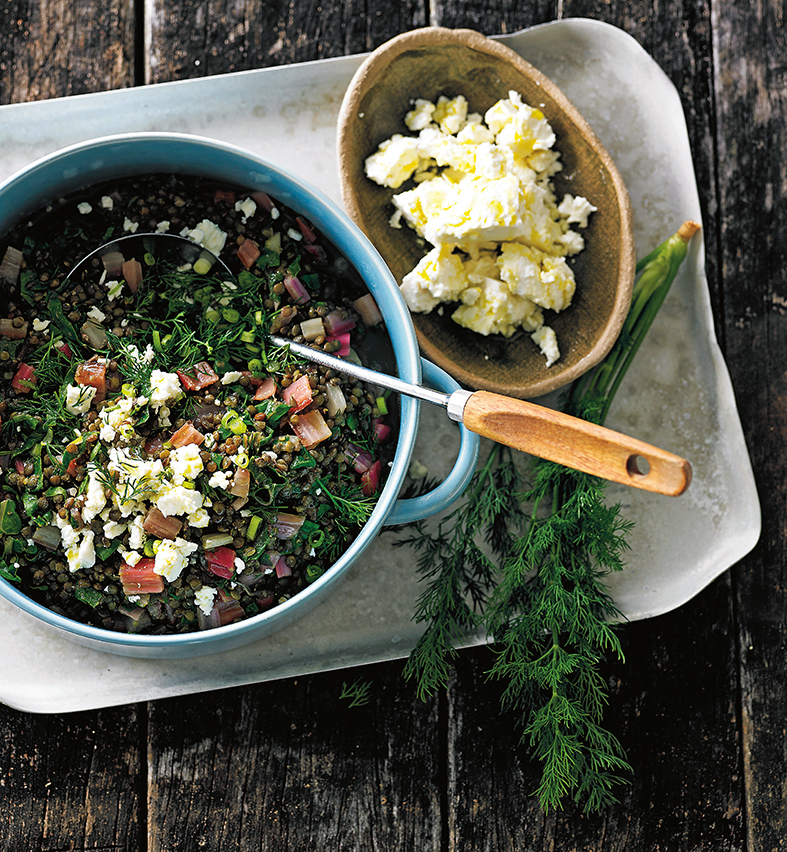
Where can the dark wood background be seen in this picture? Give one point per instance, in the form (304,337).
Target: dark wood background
(701,702)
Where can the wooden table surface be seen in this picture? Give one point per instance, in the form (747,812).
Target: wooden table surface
(701,702)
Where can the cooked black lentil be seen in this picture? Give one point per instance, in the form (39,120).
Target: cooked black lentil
(71,472)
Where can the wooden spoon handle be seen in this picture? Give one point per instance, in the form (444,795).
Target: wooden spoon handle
(576,443)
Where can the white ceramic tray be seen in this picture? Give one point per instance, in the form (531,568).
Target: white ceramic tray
(678,395)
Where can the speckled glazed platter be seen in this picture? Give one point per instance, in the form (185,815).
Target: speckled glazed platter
(678,394)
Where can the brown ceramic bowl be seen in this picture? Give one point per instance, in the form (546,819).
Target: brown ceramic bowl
(426,63)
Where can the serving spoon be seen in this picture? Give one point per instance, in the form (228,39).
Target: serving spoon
(522,425)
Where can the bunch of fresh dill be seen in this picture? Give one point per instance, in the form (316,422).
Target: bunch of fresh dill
(525,563)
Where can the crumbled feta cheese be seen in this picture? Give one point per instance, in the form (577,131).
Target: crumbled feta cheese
(78,398)
(229,378)
(483,200)
(40,325)
(420,115)
(576,209)
(84,208)
(165,388)
(220,479)
(394,162)
(208,235)
(178,500)
(247,208)
(95,499)
(112,529)
(546,340)
(204,598)
(162,227)
(137,534)
(439,277)
(130,226)
(199,519)
(81,554)
(172,557)
(112,417)
(68,535)
(491,308)
(106,202)
(185,463)
(114,289)
(131,557)
(95,313)
(450,113)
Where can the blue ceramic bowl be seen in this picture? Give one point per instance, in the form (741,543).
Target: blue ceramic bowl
(127,155)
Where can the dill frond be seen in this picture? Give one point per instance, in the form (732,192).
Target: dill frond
(543,600)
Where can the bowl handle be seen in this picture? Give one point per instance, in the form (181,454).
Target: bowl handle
(411,509)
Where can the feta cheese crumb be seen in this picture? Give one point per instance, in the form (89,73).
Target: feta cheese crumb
(247,208)
(172,557)
(185,463)
(232,376)
(165,388)
(95,313)
(204,598)
(208,235)
(84,208)
(220,479)
(483,200)
(78,398)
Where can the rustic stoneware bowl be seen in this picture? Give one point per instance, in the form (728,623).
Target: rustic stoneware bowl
(427,63)
(125,155)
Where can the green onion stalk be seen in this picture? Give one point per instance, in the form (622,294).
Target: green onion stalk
(540,595)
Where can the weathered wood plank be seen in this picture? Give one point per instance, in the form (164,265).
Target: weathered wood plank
(671,709)
(48,50)
(492,17)
(196,38)
(751,56)
(291,765)
(71,782)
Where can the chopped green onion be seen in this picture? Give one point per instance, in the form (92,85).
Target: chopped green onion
(381,404)
(202,266)
(314,572)
(230,315)
(214,540)
(254,526)
(248,336)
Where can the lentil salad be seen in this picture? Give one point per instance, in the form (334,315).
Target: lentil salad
(162,468)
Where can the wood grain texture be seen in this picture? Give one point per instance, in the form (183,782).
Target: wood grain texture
(187,39)
(671,708)
(71,782)
(63,47)
(752,104)
(291,765)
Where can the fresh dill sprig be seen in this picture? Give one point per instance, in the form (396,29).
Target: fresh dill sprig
(354,506)
(357,692)
(543,600)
